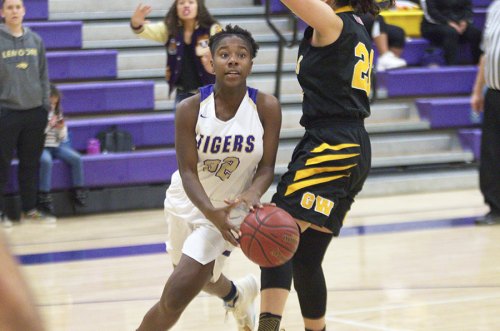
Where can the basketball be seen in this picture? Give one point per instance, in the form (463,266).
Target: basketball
(269,236)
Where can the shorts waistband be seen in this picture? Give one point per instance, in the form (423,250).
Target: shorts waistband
(322,123)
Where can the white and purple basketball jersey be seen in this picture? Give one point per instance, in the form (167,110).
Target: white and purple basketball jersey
(228,152)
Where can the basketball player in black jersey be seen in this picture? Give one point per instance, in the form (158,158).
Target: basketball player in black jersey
(332,160)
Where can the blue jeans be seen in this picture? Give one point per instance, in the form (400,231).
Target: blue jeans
(69,156)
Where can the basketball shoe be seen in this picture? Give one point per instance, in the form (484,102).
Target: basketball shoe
(5,221)
(36,215)
(243,308)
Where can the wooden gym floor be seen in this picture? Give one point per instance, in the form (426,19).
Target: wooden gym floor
(408,262)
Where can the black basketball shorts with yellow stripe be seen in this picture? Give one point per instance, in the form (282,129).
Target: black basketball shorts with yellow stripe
(328,169)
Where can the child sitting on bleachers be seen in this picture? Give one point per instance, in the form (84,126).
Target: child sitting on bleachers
(57,146)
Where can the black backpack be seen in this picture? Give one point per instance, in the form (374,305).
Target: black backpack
(114,140)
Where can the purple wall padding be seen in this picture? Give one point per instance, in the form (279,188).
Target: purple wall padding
(76,65)
(471,140)
(59,35)
(119,169)
(107,97)
(36,9)
(147,130)
(427,81)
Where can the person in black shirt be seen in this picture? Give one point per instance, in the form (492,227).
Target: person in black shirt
(447,23)
(332,160)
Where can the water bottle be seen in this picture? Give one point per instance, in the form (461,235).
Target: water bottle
(93,146)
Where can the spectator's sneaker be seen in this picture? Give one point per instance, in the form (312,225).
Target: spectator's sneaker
(488,219)
(5,221)
(36,215)
(243,309)
(44,203)
(80,196)
(389,61)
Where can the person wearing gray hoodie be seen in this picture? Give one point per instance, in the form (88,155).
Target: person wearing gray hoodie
(24,102)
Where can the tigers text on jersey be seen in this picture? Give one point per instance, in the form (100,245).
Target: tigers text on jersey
(335,78)
(228,151)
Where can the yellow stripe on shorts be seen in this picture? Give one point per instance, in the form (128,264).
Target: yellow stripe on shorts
(304,173)
(311,182)
(325,146)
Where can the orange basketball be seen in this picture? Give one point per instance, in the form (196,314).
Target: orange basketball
(269,236)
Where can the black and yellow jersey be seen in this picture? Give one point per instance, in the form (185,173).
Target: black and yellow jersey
(335,79)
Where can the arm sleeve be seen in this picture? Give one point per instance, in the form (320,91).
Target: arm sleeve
(44,76)
(63,133)
(433,13)
(153,31)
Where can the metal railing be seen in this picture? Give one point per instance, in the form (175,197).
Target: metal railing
(282,43)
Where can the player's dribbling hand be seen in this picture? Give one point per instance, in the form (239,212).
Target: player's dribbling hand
(220,218)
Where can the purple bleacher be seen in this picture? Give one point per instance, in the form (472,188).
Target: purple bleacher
(481,3)
(427,81)
(59,35)
(107,97)
(415,49)
(471,140)
(117,169)
(36,9)
(479,17)
(445,113)
(147,130)
(76,65)
(275,6)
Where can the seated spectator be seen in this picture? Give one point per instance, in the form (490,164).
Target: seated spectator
(389,40)
(57,146)
(446,24)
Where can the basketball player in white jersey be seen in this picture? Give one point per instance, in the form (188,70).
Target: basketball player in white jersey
(226,139)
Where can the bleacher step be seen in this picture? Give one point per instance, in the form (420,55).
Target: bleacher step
(425,181)
(400,150)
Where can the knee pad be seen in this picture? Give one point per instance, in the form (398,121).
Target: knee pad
(309,280)
(277,277)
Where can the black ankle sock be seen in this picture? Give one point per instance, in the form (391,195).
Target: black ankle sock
(269,322)
(233,293)
(323,329)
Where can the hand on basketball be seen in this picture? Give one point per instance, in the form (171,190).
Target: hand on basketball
(249,198)
(220,218)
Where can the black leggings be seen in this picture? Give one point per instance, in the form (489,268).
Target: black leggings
(307,272)
(23,131)
(445,36)
(396,36)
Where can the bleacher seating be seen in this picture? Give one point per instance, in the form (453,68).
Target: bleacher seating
(446,112)
(107,97)
(82,65)
(471,140)
(151,130)
(415,81)
(114,169)
(110,77)
(59,35)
